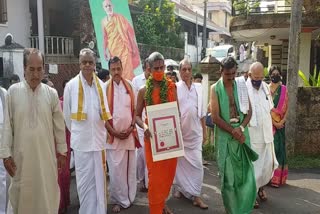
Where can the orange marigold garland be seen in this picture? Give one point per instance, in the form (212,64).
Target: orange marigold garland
(163,91)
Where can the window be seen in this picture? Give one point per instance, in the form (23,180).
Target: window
(1,67)
(3,12)
(226,20)
(210,16)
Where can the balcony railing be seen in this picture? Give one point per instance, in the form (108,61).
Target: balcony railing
(256,7)
(54,45)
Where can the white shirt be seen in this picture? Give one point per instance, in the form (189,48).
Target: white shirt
(122,117)
(2,105)
(242,52)
(139,81)
(90,134)
(190,121)
(262,133)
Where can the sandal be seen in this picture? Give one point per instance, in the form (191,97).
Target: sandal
(262,194)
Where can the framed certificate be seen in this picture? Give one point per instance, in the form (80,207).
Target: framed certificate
(164,125)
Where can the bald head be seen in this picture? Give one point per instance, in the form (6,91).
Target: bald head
(108,7)
(256,71)
(256,68)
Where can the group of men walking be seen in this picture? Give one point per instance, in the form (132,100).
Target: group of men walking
(102,120)
(108,124)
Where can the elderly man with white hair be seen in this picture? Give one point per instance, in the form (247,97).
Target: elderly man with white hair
(260,128)
(86,111)
(189,173)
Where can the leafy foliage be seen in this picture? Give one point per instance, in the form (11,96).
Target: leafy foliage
(266,72)
(208,152)
(245,6)
(157,24)
(314,79)
(304,162)
(304,78)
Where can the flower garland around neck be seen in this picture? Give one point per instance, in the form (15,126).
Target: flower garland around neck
(163,91)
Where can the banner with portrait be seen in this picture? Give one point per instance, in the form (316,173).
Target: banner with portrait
(115,35)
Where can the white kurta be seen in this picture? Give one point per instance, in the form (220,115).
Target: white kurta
(261,136)
(3,172)
(121,155)
(3,188)
(34,131)
(189,172)
(142,170)
(90,134)
(88,141)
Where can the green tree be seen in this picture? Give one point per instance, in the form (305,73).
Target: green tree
(157,24)
(244,7)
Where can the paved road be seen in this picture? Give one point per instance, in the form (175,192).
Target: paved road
(300,196)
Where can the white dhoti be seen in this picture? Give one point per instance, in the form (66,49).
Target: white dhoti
(265,165)
(261,135)
(91,182)
(189,173)
(3,188)
(142,170)
(122,172)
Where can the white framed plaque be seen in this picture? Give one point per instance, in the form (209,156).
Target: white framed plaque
(166,136)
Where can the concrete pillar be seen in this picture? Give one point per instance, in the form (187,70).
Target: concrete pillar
(206,87)
(40,25)
(269,55)
(304,55)
(185,43)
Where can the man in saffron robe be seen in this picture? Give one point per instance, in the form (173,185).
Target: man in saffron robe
(234,155)
(86,111)
(33,134)
(121,156)
(119,40)
(158,90)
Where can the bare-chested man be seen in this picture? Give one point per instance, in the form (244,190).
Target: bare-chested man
(235,156)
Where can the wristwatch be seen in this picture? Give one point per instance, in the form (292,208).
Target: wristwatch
(242,128)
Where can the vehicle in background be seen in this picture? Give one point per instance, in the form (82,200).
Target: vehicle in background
(222,51)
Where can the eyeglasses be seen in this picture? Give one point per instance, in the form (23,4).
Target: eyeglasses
(84,62)
(160,68)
